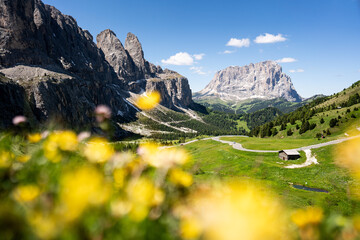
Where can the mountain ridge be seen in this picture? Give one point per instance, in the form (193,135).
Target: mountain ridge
(61,73)
(263,80)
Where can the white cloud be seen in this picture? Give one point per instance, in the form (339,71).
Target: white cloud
(297,70)
(227,52)
(199,56)
(180,59)
(198,70)
(286,60)
(269,38)
(234,42)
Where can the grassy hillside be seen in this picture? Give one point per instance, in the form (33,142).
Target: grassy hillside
(333,116)
(163,123)
(227,163)
(342,96)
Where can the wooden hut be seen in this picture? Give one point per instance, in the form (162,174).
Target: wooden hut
(289,155)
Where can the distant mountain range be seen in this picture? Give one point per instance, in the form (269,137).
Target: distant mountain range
(264,80)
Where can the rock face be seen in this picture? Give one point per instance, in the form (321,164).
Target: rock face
(58,70)
(140,75)
(32,33)
(117,56)
(51,68)
(263,80)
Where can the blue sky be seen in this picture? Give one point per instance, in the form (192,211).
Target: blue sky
(319,38)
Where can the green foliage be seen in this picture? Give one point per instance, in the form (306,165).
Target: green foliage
(289,132)
(333,122)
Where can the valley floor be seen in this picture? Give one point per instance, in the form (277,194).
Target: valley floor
(214,160)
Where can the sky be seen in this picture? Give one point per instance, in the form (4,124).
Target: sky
(317,42)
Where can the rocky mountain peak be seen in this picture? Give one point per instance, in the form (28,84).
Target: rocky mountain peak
(134,48)
(263,80)
(117,56)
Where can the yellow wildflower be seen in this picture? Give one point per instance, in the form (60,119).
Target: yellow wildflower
(162,158)
(190,228)
(119,177)
(57,141)
(23,158)
(34,138)
(307,216)
(51,151)
(120,208)
(179,177)
(138,212)
(46,227)
(5,159)
(356,222)
(232,211)
(143,194)
(67,140)
(98,150)
(141,191)
(26,193)
(348,155)
(81,188)
(148,100)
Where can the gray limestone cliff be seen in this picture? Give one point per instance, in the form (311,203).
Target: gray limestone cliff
(52,69)
(140,75)
(55,66)
(264,80)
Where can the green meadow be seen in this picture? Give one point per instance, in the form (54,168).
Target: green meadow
(212,160)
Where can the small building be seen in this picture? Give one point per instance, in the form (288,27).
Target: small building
(289,155)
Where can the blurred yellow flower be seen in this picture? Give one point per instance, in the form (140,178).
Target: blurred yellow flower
(51,151)
(46,227)
(142,194)
(190,228)
(356,222)
(67,140)
(348,155)
(57,141)
(23,158)
(34,138)
(5,159)
(179,177)
(120,208)
(98,150)
(81,188)
(26,193)
(148,100)
(307,216)
(232,211)
(138,212)
(162,158)
(119,177)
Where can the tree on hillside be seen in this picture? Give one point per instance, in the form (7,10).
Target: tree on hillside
(304,127)
(274,132)
(289,132)
(333,122)
(322,120)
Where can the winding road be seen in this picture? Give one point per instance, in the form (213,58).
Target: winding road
(310,158)
(238,146)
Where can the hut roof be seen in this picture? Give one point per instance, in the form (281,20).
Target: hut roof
(290,152)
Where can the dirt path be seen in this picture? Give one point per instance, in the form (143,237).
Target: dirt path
(310,159)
